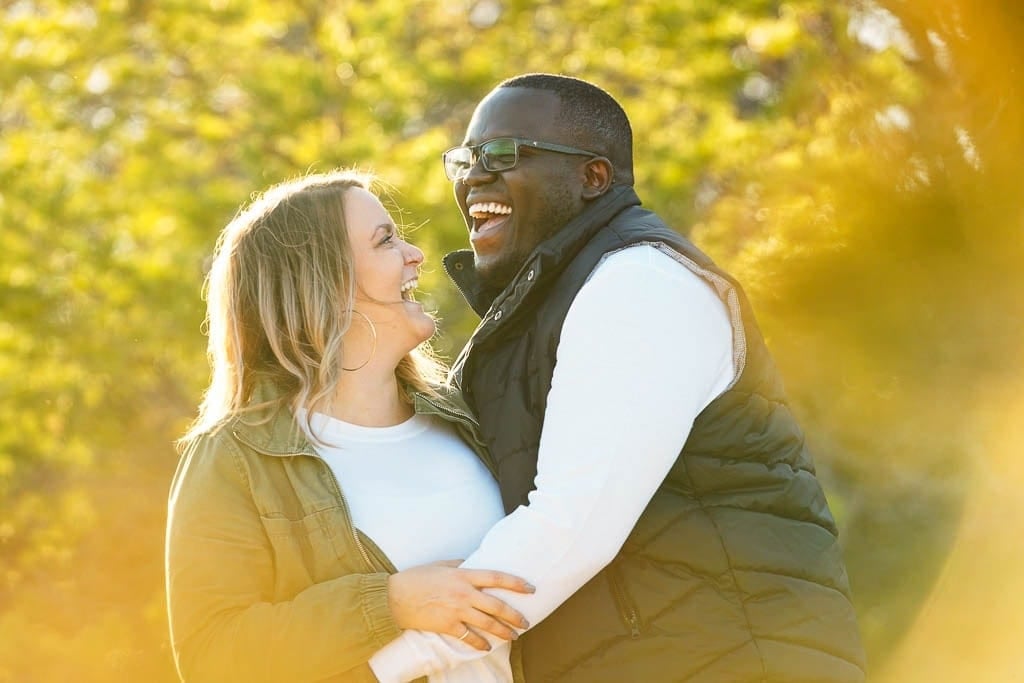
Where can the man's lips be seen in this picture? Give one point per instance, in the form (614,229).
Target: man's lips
(488,218)
(487,233)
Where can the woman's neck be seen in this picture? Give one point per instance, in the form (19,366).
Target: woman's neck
(370,399)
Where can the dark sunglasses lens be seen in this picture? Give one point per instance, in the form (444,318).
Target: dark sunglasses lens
(499,154)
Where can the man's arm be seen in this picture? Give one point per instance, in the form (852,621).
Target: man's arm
(646,345)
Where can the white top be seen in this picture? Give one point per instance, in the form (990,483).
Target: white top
(421,494)
(645,346)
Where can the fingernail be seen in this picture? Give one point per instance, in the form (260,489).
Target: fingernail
(526,624)
(530,587)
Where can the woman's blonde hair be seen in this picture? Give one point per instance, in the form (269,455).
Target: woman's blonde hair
(280,295)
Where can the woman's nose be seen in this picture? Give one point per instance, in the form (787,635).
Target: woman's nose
(413,254)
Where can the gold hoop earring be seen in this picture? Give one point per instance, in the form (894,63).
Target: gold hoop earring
(373,348)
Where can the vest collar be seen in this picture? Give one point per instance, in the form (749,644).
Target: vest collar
(547,259)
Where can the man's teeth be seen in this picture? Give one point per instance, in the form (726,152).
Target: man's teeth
(486,209)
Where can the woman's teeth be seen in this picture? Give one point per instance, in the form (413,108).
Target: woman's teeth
(408,287)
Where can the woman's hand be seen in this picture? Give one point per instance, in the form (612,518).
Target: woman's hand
(442,598)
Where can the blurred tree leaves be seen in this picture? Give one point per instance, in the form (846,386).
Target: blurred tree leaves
(854,164)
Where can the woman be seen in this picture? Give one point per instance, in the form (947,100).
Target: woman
(328,472)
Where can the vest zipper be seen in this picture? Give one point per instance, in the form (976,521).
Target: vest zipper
(455,281)
(626,610)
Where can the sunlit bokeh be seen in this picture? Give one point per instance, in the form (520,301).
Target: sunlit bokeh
(856,164)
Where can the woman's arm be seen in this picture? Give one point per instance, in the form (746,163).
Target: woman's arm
(220,579)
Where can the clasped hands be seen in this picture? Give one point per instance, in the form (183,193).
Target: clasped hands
(443,598)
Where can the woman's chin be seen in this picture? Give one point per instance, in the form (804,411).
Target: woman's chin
(429,328)
(423,325)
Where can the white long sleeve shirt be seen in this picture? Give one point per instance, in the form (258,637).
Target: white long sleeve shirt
(645,346)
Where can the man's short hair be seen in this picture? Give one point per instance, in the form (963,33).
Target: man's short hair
(590,117)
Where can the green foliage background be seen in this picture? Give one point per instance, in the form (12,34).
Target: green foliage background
(855,164)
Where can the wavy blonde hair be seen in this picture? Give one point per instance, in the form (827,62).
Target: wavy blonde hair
(280,295)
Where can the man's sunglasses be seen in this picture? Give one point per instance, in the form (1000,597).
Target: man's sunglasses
(497,154)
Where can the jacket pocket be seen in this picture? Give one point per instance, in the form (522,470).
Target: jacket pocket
(304,552)
(624,603)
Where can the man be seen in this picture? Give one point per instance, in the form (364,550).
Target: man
(661,498)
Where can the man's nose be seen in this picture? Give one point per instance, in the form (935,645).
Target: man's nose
(476,174)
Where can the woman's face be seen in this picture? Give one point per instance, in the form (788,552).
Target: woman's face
(386,272)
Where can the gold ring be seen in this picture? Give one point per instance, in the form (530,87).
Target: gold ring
(463,636)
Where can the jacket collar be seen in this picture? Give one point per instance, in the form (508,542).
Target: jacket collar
(269,426)
(547,259)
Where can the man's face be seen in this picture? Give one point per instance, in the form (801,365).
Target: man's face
(509,213)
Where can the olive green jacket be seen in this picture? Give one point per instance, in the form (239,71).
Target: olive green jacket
(267,578)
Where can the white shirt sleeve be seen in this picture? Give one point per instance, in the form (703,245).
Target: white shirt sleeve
(645,346)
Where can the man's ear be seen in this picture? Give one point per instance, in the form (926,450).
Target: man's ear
(597,177)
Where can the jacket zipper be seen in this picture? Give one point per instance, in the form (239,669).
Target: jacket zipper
(457,414)
(348,516)
(467,421)
(626,609)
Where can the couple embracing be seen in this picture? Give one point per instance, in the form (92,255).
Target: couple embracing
(607,484)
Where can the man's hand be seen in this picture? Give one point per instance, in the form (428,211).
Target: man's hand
(442,598)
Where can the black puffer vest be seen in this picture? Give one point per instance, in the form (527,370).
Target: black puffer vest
(733,572)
